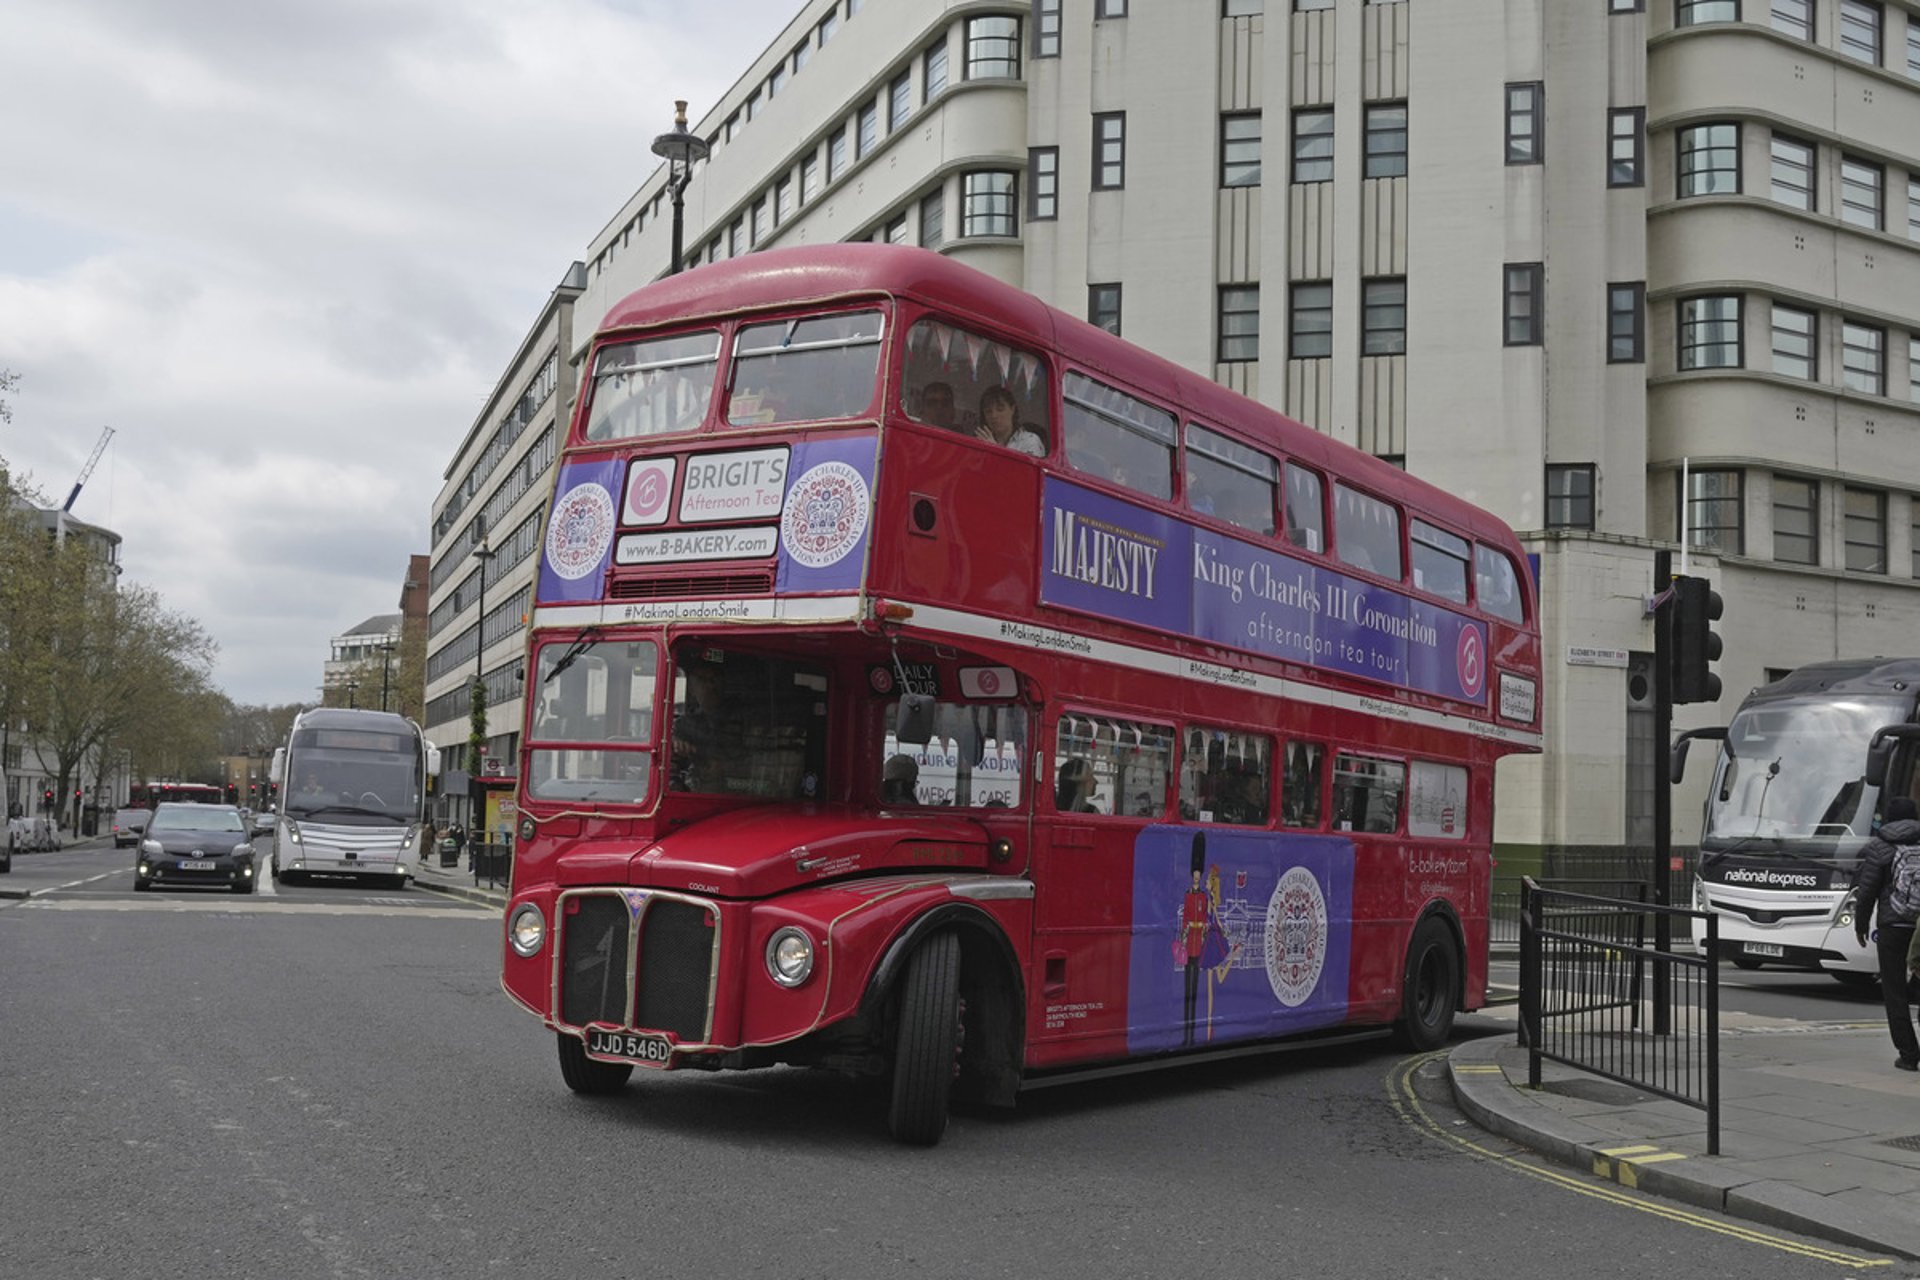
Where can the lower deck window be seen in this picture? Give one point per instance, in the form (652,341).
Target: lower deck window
(1111,766)
(1226,776)
(1366,793)
(973,760)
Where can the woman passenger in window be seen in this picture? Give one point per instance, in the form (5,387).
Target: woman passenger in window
(999,414)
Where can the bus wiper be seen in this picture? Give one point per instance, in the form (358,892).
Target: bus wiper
(1759,810)
(574,650)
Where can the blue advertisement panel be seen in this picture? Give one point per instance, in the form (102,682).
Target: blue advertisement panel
(1109,557)
(573,558)
(827,515)
(1237,935)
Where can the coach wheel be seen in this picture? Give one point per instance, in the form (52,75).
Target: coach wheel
(926,1054)
(1746,962)
(583,1074)
(1431,994)
(140,885)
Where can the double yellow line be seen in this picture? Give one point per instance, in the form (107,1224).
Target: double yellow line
(1407,1103)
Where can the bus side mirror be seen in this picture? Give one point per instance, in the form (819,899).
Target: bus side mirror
(913,723)
(1881,748)
(278,770)
(1677,757)
(433,761)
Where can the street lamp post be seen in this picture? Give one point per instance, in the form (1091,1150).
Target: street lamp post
(484,555)
(352,684)
(386,652)
(680,150)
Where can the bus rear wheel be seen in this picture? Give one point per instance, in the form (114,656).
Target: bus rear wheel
(1432,991)
(927,1046)
(584,1074)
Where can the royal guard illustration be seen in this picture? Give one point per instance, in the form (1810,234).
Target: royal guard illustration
(1201,945)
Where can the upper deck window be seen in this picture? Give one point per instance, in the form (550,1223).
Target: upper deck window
(1117,437)
(1440,562)
(805,369)
(1366,531)
(652,387)
(962,381)
(1230,481)
(1496,587)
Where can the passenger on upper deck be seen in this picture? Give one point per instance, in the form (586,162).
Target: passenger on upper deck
(998,414)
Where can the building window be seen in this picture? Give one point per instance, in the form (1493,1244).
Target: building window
(1863,358)
(1383,317)
(1691,13)
(1860,31)
(1043,184)
(1046,28)
(1710,332)
(1308,6)
(1913,536)
(867,130)
(987,207)
(1570,496)
(933,218)
(736,238)
(829,25)
(1864,517)
(836,154)
(1913,369)
(1860,186)
(1913,48)
(1313,145)
(1794,353)
(1524,104)
(782,200)
(1626,328)
(1240,150)
(802,55)
(1796,527)
(757,221)
(777,81)
(1626,6)
(1794,18)
(1793,171)
(1239,323)
(1714,512)
(1625,130)
(899,100)
(1386,140)
(1710,160)
(1109,8)
(896,230)
(1525,285)
(1103,307)
(809,177)
(1242,8)
(1109,150)
(933,70)
(993,48)
(1310,321)
(1913,196)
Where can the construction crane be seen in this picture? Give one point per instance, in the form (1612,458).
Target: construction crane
(106,434)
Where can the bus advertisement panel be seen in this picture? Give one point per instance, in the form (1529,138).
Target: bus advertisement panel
(1122,719)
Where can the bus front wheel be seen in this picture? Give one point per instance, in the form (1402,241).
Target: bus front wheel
(584,1074)
(927,1045)
(1431,994)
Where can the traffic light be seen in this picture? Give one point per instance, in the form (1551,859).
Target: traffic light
(1696,607)
(233,793)
(46,798)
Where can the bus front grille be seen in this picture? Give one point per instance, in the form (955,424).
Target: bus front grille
(593,960)
(676,969)
(706,586)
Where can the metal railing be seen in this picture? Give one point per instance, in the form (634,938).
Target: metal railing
(1584,870)
(491,863)
(1597,995)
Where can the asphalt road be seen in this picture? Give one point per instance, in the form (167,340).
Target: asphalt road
(327,1081)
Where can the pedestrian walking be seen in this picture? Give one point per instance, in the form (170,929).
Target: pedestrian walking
(1876,885)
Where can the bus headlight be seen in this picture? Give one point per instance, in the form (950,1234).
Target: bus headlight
(789,956)
(1843,913)
(526,930)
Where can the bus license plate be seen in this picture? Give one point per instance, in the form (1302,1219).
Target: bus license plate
(1773,949)
(197,864)
(640,1047)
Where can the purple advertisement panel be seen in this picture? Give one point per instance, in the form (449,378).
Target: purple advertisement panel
(827,515)
(573,559)
(1111,558)
(1237,935)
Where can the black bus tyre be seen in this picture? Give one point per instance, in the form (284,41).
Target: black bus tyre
(584,1074)
(1431,995)
(926,1048)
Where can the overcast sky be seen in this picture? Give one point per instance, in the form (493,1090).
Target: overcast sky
(285,248)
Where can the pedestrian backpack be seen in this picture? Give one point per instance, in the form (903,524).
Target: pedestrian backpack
(1903,893)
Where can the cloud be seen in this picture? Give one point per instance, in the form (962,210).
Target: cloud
(286,250)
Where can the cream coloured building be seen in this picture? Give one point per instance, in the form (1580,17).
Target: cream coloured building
(1545,253)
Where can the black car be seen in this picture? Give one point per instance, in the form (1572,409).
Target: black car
(196,844)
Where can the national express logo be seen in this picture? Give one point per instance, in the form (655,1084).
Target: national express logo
(826,515)
(580,531)
(1296,936)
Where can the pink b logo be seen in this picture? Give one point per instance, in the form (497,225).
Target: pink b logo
(1470,662)
(649,489)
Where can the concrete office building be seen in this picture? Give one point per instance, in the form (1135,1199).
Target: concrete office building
(1544,253)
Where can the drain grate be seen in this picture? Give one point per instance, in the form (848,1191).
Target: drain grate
(1909,1143)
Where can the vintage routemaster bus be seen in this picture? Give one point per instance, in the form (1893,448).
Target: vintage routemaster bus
(929,685)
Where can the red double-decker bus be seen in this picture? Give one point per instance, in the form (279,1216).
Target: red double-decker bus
(145,795)
(929,685)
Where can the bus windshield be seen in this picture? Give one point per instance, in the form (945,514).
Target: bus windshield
(805,369)
(748,726)
(355,777)
(592,734)
(1797,770)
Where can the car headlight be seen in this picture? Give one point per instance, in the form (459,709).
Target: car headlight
(789,956)
(151,847)
(526,929)
(243,850)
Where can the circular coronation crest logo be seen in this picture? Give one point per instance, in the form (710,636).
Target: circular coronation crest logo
(1296,936)
(581,529)
(826,515)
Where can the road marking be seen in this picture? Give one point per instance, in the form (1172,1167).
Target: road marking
(242,906)
(1478,1071)
(1406,1102)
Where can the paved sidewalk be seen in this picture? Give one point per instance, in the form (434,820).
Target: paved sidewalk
(458,882)
(1819,1134)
